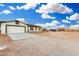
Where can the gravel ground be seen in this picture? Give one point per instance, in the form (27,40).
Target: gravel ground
(45,44)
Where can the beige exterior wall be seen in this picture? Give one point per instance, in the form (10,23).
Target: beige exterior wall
(39,29)
(3,26)
(35,29)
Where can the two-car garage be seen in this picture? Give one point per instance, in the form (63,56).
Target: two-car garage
(15,29)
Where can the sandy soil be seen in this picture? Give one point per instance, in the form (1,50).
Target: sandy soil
(45,44)
(72,36)
(5,39)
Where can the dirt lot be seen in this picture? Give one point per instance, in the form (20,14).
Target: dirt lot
(45,44)
(71,36)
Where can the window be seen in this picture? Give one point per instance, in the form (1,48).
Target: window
(17,22)
(31,28)
(39,28)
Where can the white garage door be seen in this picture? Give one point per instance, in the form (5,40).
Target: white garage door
(15,29)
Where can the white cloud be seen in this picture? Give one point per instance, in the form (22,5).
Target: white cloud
(74,17)
(2,4)
(54,8)
(11,7)
(6,12)
(61,26)
(65,21)
(55,22)
(45,16)
(67,17)
(29,5)
(74,27)
(50,25)
(21,19)
(58,26)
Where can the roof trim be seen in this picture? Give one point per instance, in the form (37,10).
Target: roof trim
(19,21)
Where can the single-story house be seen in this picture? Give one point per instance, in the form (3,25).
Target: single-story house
(16,26)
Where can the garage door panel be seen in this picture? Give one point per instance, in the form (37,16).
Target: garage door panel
(14,29)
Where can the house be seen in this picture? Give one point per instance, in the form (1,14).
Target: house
(16,26)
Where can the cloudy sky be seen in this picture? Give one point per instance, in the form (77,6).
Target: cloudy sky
(43,14)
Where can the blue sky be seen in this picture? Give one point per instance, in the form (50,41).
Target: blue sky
(42,14)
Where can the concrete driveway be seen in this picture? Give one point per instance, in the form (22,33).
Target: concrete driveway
(17,36)
(20,36)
